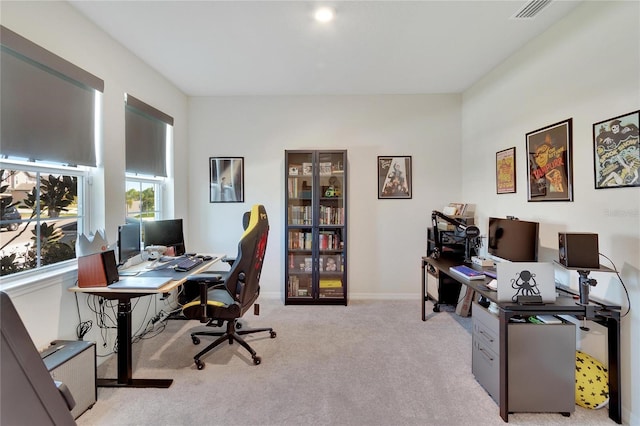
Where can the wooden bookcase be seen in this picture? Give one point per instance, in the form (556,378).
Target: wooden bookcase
(316,227)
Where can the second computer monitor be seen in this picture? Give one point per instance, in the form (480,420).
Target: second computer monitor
(165,233)
(128,241)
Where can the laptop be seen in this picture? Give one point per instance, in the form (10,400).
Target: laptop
(526,279)
(140,283)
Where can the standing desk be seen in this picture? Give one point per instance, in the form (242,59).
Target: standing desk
(600,312)
(124,296)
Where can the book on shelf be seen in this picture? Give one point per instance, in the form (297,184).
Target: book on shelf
(455,209)
(325,169)
(549,319)
(467,272)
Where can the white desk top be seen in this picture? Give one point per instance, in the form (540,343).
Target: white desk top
(146,267)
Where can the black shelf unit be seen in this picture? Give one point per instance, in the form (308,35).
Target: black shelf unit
(316,227)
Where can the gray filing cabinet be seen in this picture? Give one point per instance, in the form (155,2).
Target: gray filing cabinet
(541,363)
(485,360)
(74,364)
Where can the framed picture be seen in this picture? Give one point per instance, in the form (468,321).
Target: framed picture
(616,151)
(226,179)
(506,171)
(394,177)
(549,163)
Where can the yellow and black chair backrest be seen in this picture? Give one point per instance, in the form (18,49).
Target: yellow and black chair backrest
(242,283)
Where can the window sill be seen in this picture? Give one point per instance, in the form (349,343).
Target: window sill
(31,281)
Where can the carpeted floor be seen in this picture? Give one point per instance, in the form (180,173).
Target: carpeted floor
(370,363)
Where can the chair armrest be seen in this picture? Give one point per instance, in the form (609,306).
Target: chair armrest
(228,260)
(66,394)
(207,278)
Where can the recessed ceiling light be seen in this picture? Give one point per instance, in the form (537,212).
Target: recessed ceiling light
(324,14)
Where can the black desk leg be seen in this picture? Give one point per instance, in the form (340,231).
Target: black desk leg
(424,293)
(125,360)
(615,402)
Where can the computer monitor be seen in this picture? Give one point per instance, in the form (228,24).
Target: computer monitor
(512,239)
(128,241)
(165,233)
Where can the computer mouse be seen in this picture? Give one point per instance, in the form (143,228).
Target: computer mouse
(206,257)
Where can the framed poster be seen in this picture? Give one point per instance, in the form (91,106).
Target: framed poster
(394,177)
(549,163)
(226,177)
(506,171)
(616,151)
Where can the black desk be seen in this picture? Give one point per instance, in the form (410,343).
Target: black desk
(600,312)
(124,296)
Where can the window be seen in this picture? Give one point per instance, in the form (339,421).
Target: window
(42,211)
(50,114)
(143,198)
(148,134)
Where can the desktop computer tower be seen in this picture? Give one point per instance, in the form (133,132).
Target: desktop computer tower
(74,364)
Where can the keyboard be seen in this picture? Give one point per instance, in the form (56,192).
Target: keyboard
(188,263)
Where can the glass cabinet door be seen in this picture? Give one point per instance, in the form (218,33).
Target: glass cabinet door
(300,180)
(331,216)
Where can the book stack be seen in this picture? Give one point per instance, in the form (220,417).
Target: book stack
(467,273)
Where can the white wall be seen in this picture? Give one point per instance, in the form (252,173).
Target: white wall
(586,67)
(57,27)
(386,238)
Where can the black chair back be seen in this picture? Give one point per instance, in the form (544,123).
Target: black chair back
(243,281)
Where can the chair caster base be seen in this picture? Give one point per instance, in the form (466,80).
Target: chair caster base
(199,364)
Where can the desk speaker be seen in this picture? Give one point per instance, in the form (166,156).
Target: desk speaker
(97,270)
(578,250)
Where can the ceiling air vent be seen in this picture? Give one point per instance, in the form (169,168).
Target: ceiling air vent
(531,9)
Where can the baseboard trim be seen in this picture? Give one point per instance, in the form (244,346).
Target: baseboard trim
(271,295)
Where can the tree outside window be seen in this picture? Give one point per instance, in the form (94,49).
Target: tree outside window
(40,217)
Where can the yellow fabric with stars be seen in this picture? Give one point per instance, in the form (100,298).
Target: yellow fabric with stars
(592,382)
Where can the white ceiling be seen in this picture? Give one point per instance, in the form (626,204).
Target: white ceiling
(209,48)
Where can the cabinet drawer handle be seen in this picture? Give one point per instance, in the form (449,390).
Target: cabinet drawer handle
(488,337)
(485,353)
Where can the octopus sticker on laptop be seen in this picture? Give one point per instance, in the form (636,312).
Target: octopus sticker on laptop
(516,279)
